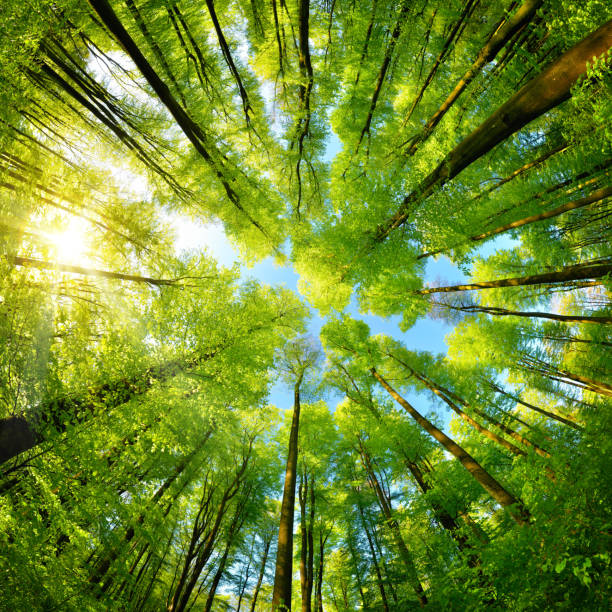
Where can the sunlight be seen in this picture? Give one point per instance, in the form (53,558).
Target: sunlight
(70,243)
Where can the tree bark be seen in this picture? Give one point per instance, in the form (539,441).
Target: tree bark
(51,265)
(281,597)
(588,270)
(500,36)
(391,521)
(538,96)
(516,508)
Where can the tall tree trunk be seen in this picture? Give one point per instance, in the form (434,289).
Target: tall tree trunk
(582,271)
(399,24)
(200,141)
(504,312)
(104,563)
(281,597)
(391,521)
(51,265)
(596,196)
(451,39)
(447,395)
(379,578)
(516,508)
(500,36)
(307,511)
(246,105)
(537,97)
(546,413)
(234,528)
(262,571)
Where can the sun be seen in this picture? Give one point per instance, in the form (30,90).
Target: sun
(70,243)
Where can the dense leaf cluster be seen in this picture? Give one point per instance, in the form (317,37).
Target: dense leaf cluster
(142,466)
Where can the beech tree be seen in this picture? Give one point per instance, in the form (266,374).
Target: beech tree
(425,169)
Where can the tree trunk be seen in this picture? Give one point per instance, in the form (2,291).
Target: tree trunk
(500,36)
(453,37)
(537,97)
(570,273)
(307,499)
(504,312)
(379,579)
(401,21)
(192,131)
(51,265)
(234,527)
(281,598)
(543,412)
(262,572)
(518,512)
(594,197)
(103,565)
(391,521)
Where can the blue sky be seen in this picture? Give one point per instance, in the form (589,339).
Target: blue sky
(426,334)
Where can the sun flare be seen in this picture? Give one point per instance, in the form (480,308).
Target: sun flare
(70,243)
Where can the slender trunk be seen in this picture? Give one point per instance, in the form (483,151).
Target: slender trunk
(594,197)
(401,21)
(262,572)
(570,273)
(453,37)
(445,394)
(563,376)
(234,527)
(538,96)
(159,55)
(391,521)
(201,548)
(518,512)
(245,578)
(366,42)
(320,569)
(51,265)
(192,131)
(281,598)
(103,565)
(246,105)
(302,495)
(500,36)
(504,312)
(379,579)
(538,161)
(307,499)
(546,413)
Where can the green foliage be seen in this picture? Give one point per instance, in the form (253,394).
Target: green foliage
(141,462)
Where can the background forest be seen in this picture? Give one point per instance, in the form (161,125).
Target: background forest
(142,463)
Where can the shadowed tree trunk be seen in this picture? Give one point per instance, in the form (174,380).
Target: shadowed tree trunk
(262,571)
(501,35)
(516,508)
(541,94)
(281,597)
(578,272)
(391,521)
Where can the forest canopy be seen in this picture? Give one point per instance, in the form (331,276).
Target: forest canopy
(143,462)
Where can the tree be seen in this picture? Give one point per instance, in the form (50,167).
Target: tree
(142,463)
(296,360)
